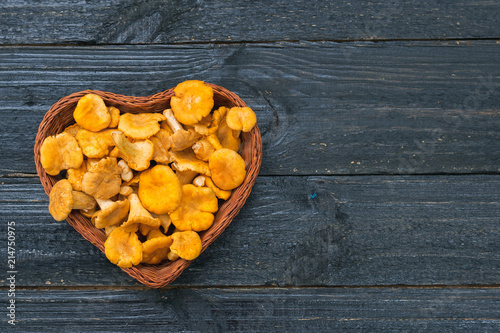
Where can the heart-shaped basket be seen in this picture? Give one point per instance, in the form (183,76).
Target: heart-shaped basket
(60,116)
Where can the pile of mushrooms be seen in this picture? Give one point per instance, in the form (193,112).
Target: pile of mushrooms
(151,181)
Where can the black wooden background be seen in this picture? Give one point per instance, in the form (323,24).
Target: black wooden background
(377,206)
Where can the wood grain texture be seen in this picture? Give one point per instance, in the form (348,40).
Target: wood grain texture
(187,21)
(297,231)
(258,310)
(323,108)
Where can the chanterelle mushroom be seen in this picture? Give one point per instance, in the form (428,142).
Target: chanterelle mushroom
(186,160)
(123,248)
(95,144)
(160,190)
(196,209)
(91,113)
(103,180)
(115,116)
(186,244)
(227,168)
(241,119)
(60,152)
(139,215)
(228,137)
(75,176)
(62,199)
(140,126)
(210,123)
(193,100)
(111,213)
(155,249)
(181,139)
(138,154)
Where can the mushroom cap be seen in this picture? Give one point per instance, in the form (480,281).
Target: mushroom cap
(95,144)
(137,154)
(196,208)
(115,116)
(192,101)
(75,176)
(61,200)
(186,176)
(73,129)
(162,141)
(227,168)
(186,244)
(91,113)
(103,180)
(203,149)
(160,190)
(60,152)
(184,139)
(138,216)
(186,160)
(156,249)
(228,137)
(210,123)
(241,119)
(140,126)
(221,194)
(123,248)
(114,214)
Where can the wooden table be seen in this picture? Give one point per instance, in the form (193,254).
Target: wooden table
(377,206)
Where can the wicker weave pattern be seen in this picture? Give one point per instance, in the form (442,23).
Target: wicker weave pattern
(60,116)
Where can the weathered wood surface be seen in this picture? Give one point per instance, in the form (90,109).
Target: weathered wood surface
(258,310)
(323,108)
(297,231)
(158,21)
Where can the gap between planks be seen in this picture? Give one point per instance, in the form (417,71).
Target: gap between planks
(374,40)
(257,287)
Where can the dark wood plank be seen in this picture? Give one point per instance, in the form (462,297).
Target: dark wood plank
(323,108)
(258,310)
(298,231)
(158,21)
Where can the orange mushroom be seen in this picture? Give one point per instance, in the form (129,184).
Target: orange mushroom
(227,168)
(60,152)
(139,215)
(156,249)
(62,199)
(141,125)
(181,138)
(192,101)
(95,144)
(160,190)
(123,248)
(111,213)
(186,244)
(115,116)
(186,160)
(196,209)
(75,176)
(91,113)
(103,180)
(138,154)
(241,119)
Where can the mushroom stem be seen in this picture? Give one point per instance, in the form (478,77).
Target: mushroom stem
(171,121)
(214,140)
(82,200)
(172,256)
(127,174)
(104,203)
(199,181)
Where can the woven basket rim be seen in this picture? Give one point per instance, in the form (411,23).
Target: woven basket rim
(155,276)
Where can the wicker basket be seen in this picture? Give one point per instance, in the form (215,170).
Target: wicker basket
(60,116)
